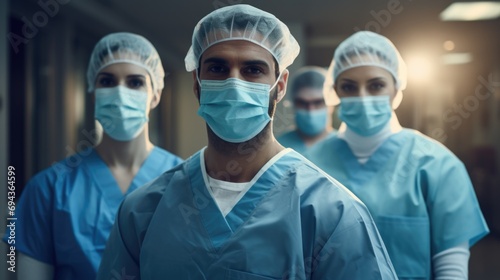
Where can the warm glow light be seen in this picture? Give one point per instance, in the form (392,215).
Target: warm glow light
(456,58)
(471,11)
(420,68)
(449,45)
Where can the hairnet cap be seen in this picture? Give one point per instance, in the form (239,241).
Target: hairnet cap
(125,48)
(365,48)
(308,77)
(243,22)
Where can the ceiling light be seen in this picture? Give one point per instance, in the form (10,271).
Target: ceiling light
(420,68)
(449,45)
(467,11)
(456,58)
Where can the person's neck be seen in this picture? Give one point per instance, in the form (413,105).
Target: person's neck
(128,154)
(240,162)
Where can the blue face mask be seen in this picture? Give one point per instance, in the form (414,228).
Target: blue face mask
(312,122)
(365,115)
(234,109)
(121,111)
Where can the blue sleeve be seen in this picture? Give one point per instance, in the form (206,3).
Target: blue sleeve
(453,207)
(34,235)
(354,251)
(120,259)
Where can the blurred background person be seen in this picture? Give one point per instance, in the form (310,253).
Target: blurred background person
(418,192)
(313,118)
(67,210)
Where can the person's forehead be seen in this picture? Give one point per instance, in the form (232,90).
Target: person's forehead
(365,72)
(125,69)
(238,49)
(309,94)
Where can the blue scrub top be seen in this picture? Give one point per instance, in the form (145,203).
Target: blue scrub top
(418,192)
(66,212)
(292,140)
(295,222)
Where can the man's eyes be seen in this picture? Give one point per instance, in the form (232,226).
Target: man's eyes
(217,68)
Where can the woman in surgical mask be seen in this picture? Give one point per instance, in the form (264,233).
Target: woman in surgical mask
(67,210)
(418,192)
(312,115)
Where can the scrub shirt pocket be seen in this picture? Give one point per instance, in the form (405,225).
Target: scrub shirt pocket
(242,275)
(407,240)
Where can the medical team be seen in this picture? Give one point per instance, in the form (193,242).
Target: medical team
(246,207)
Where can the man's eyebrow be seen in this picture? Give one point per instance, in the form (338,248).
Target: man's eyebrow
(216,60)
(257,62)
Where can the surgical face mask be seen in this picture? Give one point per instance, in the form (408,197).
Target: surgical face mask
(365,115)
(121,111)
(312,122)
(234,109)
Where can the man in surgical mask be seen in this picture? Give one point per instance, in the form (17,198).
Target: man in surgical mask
(243,207)
(312,116)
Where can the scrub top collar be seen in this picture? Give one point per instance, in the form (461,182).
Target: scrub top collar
(106,181)
(364,147)
(221,228)
(375,163)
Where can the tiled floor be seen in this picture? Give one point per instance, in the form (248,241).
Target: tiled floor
(485,259)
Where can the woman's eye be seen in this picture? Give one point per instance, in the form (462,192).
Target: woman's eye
(348,88)
(135,83)
(376,86)
(106,82)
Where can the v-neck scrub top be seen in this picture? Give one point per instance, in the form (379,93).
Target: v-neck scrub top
(66,212)
(294,222)
(417,191)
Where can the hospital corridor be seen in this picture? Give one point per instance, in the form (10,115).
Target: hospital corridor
(246,139)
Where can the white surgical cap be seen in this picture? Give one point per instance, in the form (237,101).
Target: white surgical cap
(307,77)
(243,22)
(365,48)
(125,48)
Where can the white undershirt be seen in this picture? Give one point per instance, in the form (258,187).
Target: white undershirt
(452,264)
(363,147)
(227,194)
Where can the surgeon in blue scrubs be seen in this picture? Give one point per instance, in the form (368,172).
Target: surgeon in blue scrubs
(313,118)
(418,192)
(243,207)
(66,212)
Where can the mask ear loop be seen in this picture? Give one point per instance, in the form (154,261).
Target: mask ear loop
(198,78)
(278,98)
